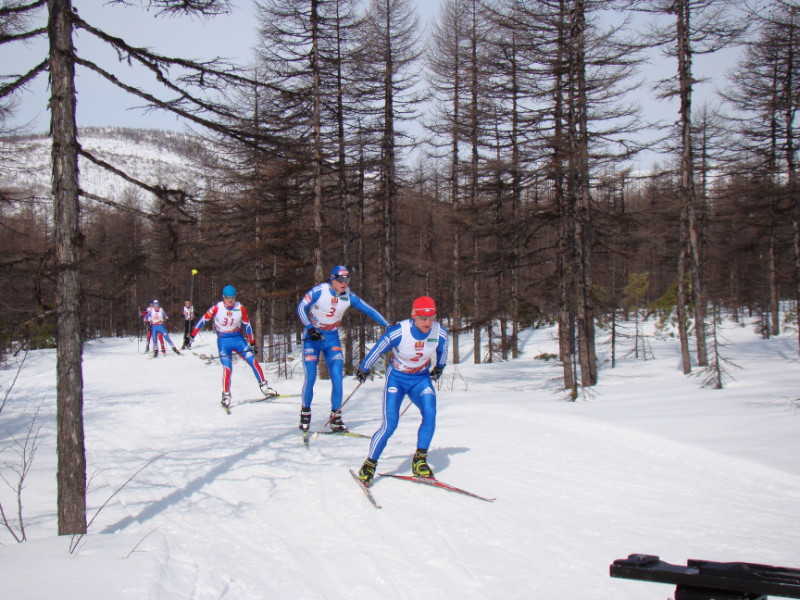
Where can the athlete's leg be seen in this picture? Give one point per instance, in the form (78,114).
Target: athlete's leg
(159,329)
(393,393)
(250,356)
(334,358)
(169,339)
(225,358)
(424,397)
(310,362)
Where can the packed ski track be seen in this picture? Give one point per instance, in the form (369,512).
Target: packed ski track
(187,502)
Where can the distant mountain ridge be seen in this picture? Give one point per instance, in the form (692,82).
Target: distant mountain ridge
(154,156)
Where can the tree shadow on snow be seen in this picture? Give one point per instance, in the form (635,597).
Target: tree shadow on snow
(178,495)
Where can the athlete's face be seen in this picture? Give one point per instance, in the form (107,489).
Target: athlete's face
(338,285)
(228,301)
(424,324)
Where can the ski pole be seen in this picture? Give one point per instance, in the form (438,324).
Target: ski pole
(333,415)
(366,291)
(236,352)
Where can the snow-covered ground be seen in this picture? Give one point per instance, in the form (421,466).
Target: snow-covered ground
(235,507)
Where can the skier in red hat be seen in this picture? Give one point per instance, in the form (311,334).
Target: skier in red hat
(414,343)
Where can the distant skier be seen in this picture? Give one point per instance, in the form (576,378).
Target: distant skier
(157,319)
(188,324)
(232,325)
(413,343)
(321,311)
(143,314)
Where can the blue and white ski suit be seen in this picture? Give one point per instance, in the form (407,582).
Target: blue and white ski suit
(232,324)
(157,318)
(322,308)
(408,374)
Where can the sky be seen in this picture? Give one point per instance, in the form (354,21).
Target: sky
(189,503)
(233,37)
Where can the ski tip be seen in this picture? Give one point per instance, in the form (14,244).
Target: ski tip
(365,489)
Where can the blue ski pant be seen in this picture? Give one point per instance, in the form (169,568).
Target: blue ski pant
(159,332)
(227,345)
(331,348)
(419,389)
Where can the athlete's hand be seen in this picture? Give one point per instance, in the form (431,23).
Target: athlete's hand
(314,335)
(362,375)
(436,373)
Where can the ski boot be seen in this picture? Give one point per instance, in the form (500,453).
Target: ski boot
(155,353)
(337,425)
(226,400)
(266,390)
(419,465)
(305,418)
(175,350)
(367,472)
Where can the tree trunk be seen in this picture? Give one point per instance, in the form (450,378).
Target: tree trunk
(582,217)
(680,304)
(71,475)
(688,195)
(317,117)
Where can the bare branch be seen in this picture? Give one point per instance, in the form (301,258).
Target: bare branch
(21,81)
(12,11)
(174,106)
(175,7)
(26,35)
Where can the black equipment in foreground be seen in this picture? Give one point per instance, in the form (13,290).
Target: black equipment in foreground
(707,580)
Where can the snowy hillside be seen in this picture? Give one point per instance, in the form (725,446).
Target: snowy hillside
(153,156)
(235,507)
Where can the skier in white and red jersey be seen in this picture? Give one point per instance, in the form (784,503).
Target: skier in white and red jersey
(234,334)
(414,343)
(157,319)
(321,311)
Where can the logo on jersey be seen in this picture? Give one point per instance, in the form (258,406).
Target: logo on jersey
(419,345)
(334,300)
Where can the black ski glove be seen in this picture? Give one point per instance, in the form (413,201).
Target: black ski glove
(436,372)
(314,335)
(362,375)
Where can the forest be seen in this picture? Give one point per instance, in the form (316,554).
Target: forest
(489,164)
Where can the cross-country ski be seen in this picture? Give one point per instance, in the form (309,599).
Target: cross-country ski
(367,491)
(433,482)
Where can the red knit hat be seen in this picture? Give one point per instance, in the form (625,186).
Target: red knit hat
(424,306)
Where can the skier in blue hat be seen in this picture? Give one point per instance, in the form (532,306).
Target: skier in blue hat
(234,334)
(321,311)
